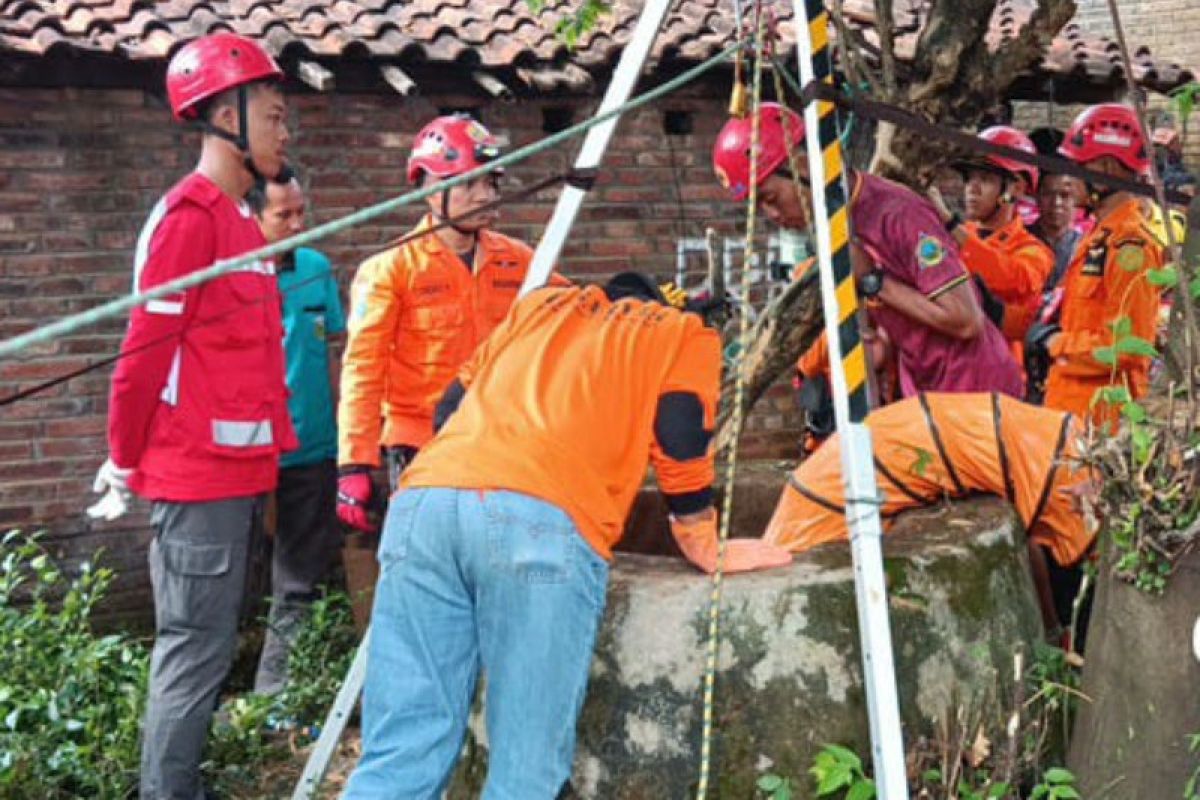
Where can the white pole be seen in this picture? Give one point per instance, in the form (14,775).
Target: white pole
(624,79)
(858,471)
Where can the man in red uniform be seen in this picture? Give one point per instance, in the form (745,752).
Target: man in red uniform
(1107,280)
(418,310)
(907,266)
(995,245)
(198,410)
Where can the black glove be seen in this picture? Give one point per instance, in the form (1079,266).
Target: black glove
(816,401)
(992,307)
(1037,359)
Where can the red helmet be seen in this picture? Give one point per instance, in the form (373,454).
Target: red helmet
(731,152)
(205,67)
(1005,136)
(450,146)
(1107,129)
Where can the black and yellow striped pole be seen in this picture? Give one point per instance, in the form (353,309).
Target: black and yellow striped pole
(848,376)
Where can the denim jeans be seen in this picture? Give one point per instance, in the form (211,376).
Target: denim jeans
(472,579)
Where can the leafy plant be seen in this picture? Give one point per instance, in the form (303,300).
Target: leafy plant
(71,701)
(575,23)
(1191,790)
(1057,784)
(838,769)
(775,787)
(318,661)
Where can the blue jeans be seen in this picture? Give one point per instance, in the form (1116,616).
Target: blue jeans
(469,579)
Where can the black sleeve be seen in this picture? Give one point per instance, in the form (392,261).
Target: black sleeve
(681,435)
(448,404)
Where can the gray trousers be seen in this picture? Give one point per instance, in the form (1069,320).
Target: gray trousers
(198,568)
(307,540)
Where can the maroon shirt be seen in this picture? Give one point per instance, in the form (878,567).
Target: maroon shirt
(904,236)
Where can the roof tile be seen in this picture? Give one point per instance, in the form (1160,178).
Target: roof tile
(495,33)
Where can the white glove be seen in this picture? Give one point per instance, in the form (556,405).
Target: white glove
(114,481)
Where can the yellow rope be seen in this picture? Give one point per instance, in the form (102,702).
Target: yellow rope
(736,420)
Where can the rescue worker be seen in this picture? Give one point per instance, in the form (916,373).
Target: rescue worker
(418,310)
(198,407)
(993,241)
(495,550)
(907,267)
(937,446)
(1058,214)
(1106,281)
(307,537)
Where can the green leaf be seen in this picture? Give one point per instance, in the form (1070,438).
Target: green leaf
(862,790)
(1114,395)
(1106,356)
(1133,412)
(1167,276)
(769,783)
(1121,326)
(1135,346)
(1058,775)
(835,779)
(932,776)
(997,790)
(1194,288)
(1039,791)
(845,756)
(1064,793)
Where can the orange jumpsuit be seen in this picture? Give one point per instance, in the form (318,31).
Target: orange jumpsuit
(1106,280)
(1014,264)
(562,403)
(416,314)
(941,445)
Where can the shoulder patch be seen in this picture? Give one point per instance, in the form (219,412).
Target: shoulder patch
(1131,257)
(930,251)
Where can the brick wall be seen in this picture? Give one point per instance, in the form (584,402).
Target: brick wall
(1167,27)
(79,169)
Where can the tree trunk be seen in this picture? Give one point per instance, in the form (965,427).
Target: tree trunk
(1141,675)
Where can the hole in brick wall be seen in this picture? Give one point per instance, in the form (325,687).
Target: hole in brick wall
(557,118)
(473,113)
(677,123)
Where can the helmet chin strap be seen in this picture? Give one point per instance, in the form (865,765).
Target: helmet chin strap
(241,140)
(444,216)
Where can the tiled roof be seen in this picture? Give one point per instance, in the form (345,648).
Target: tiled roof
(488,33)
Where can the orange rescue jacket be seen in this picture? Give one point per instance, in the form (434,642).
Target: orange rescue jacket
(1106,280)
(561,404)
(416,313)
(1014,264)
(939,445)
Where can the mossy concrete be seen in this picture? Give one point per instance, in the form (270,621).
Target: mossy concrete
(790,675)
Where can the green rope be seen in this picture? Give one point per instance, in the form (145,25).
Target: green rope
(736,420)
(74,322)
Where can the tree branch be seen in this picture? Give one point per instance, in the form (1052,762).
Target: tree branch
(885,26)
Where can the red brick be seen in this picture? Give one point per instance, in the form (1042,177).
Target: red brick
(75,427)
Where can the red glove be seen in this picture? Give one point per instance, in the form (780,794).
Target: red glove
(354,499)
(698,541)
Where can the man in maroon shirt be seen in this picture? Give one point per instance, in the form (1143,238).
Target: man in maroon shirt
(198,408)
(907,267)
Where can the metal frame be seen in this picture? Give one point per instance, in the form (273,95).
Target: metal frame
(858,473)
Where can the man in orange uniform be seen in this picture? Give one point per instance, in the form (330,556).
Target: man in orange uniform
(995,246)
(937,446)
(419,310)
(495,550)
(1106,280)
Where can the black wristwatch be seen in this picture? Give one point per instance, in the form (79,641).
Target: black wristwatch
(871,284)
(954,221)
